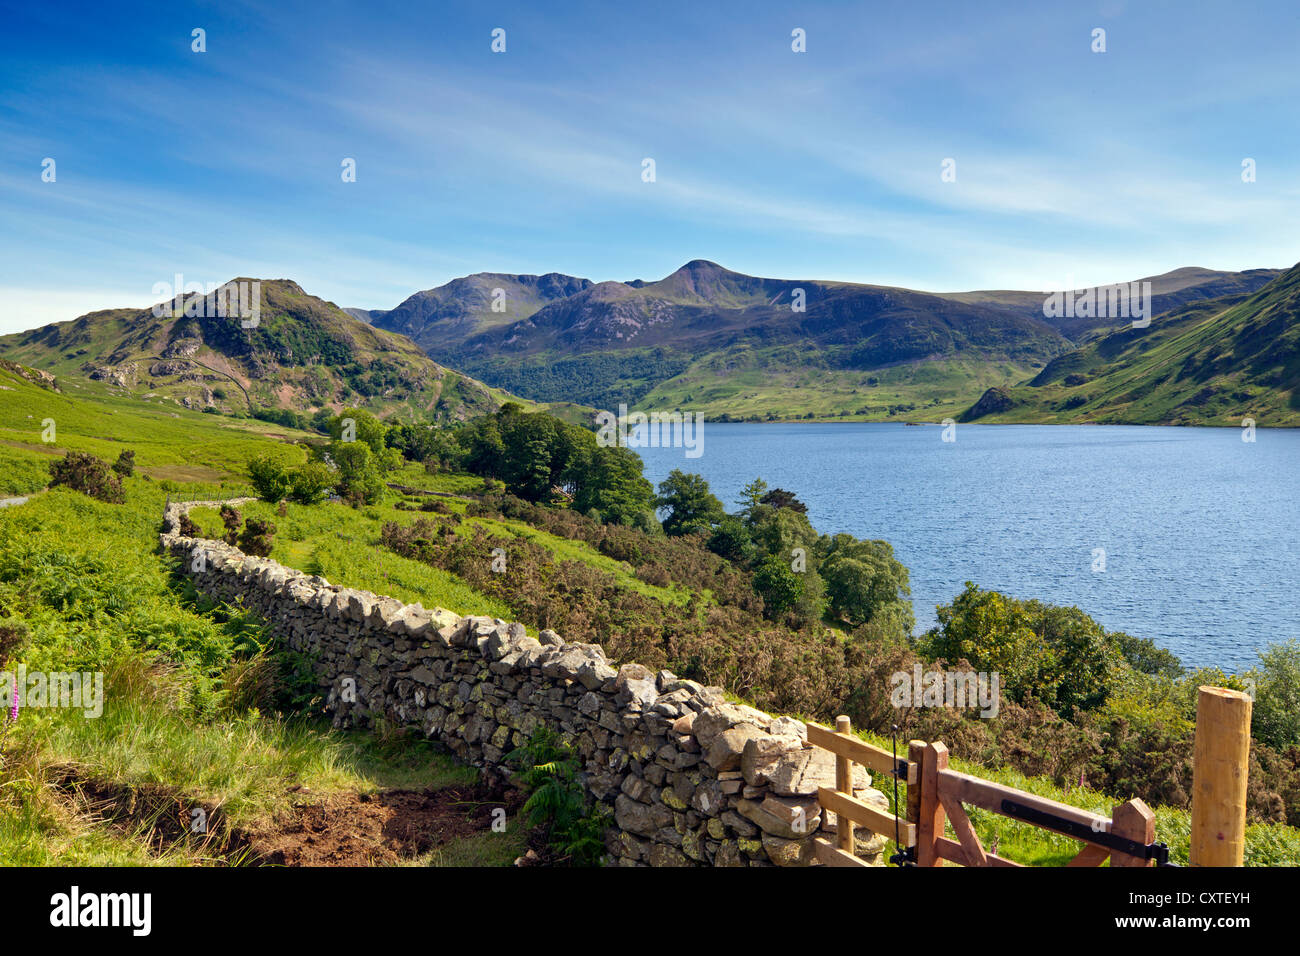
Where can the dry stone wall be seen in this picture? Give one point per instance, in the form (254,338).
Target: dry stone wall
(691,778)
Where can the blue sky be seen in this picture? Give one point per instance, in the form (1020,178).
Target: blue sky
(1072,167)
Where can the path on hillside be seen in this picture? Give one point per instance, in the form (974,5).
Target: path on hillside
(238,383)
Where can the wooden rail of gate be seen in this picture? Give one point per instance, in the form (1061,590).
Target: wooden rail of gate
(943,793)
(848,809)
(937,795)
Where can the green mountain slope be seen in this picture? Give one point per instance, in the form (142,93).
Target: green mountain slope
(1169,291)
(1210,362)
(43,418)
(732,345)
(694,332)
(304,354)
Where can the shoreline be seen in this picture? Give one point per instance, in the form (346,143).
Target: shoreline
(876,421)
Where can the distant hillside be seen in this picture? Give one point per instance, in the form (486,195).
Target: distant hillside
(1168,291)
(694,336)
(704,338)
(732,345)
(305,354)
(1209,362)
(438,319)
(367,316)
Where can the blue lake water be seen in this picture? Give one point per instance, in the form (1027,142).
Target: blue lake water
(1199,528)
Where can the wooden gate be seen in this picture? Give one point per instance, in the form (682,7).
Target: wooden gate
(937,795)
(1127,836)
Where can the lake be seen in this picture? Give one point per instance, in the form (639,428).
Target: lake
(1198,528)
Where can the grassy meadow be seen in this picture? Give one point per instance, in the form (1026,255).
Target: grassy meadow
(783,384)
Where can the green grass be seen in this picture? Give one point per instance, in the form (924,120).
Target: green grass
(756,383)
(245,763)
(37,829)
(86,586)
(415,476)
(342,544)
(85,582)
(203,447)
(22,472)
(482,849)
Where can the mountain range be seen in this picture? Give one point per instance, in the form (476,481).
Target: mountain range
(734,345)
(704,338)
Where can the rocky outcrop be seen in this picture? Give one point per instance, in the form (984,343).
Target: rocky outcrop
(994,400)
(34,375)
(123,376)
(182,348)
(691,778)
(170,367)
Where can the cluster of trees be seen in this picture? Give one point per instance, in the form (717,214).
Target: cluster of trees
(536,457)
(599,379)
(274,481)
(1119,711)
(317,421)
(1057,655)
(801,575)
(353,464)
(540,458)
(1062,658)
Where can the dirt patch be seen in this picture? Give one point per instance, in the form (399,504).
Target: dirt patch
(351,829)
(380,828)
(33,446)
(162,816)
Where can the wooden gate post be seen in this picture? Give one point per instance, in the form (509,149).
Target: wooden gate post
(844,784)
(1135,821)
(1220,763)
(930,813)
(916,756)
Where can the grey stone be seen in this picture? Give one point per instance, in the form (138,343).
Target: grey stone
(788,852)
(639,818)
(762,754)
(803,772)
(728,747)
(712,721)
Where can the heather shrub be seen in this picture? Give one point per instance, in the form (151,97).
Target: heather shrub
(230,517)
(89,475)
(256,537)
